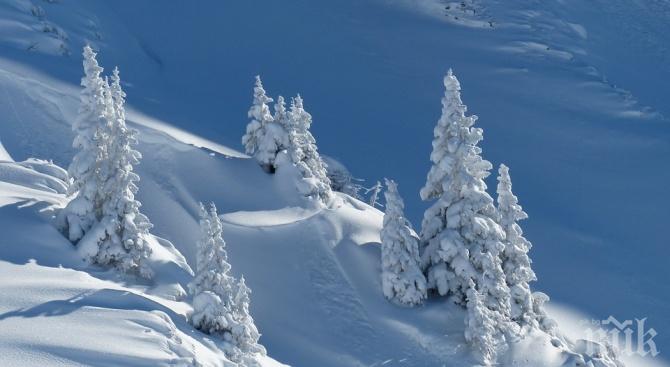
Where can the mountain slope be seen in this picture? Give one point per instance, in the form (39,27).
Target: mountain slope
(546,81)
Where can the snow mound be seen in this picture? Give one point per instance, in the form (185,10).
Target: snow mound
(268,218)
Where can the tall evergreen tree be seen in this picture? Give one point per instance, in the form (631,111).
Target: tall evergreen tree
(303,153)
(104,216)
(461,237)
(402,279)
(516,263)
(81,213)
(126,229)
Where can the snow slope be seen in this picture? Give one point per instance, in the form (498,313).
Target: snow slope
(577,117)
(315,273)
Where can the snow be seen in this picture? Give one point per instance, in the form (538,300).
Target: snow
(268,218)
(4,155)
(578,119)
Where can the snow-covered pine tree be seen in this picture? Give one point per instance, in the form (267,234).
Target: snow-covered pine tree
(260,115)
(304,154)
(265,137)
(126,229)
(212,287)
(220,304)
(461,237)
(481,331)
(402,279)
(81,213)
(103,179)
(546,323)
(282,122)
(275,138)
(516,263)
(245,334)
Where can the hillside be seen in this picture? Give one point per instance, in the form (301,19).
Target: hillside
(578,118)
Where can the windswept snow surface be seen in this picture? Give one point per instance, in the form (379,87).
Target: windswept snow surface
(571,94)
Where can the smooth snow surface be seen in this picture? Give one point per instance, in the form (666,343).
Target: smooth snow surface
(571,95)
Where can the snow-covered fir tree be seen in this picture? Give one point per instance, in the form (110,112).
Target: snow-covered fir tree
(265,136)
(245,334)
(546,323)
(220,304)
(281,117)
(303,153)
(481,331)
(82,211)
(103,218)
(402,279)
(126,229)
(516,263)
(212,287)
(461,237)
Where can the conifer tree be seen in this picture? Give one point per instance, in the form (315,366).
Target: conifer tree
(303,153)
(461,237)
(281,114)
(402,279)
(126,228)
(546,323)
(245,334)
(220,304)
(516,263)
(265,137)
(82,211)
(481,331)
(104,216)
(212,287)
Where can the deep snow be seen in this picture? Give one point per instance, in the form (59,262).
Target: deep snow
(570,94)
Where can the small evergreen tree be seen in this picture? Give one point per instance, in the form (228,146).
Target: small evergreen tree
(245,334)
(82,211)
(461,237)
(212,287)
(516,263)
(481,331)
(546,323)
(265,137)
(304,154)
(220,304)
(402,279)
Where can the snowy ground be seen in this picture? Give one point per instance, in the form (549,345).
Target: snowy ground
(578,118)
